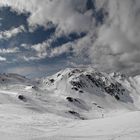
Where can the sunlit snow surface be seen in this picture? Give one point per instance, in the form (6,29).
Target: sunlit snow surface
(41,109)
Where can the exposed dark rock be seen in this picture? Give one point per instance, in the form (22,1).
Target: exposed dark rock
(21,97)
(76,114)
(58,75)
(81,91)
(99,107)
(70,99)
(70,74)
(34,87)
(94,103)
(73,112)
(117,97)
(78,84)
(74,88)
(113,88)
(52,80)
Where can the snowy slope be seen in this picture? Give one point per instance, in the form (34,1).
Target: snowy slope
(74,93)
(68,104)
(123,127)
(81,93)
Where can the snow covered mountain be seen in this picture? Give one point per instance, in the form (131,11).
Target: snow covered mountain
(89,81)
(83,93)
(90,93)
(71,95)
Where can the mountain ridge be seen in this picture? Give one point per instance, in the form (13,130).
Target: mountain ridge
(77,93)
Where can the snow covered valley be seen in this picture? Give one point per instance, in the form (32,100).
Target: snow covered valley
(73,104)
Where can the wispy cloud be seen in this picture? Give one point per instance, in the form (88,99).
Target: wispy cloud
(12,32)
(9,50)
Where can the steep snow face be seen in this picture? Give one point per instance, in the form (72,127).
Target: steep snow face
(132,84)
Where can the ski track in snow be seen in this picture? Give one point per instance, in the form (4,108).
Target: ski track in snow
(8,92)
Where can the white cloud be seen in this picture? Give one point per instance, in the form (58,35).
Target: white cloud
(67,14)
(30,58)
(114,45)
(9,50)
(43,50)
(118,43)
(2,58)
(66,48)
(11,33)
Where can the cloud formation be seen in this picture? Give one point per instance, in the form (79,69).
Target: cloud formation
(2,58)
(112,45)
(118,42)
(43,50)
(67,15)
(11,33)
(9,50)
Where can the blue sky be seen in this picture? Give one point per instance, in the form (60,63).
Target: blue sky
(11,19)
(39,38)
